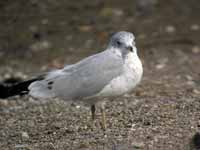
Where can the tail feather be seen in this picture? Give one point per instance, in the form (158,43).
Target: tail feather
(40,87)
(19,88)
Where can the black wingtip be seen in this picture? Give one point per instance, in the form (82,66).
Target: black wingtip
(12,87)
(3,91)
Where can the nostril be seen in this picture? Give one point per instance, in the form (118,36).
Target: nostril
(130,48)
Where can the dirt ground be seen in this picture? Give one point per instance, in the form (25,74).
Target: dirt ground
(162,113)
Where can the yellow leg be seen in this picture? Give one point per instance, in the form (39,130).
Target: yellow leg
(103,118)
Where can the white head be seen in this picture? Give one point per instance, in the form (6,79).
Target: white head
(123,41)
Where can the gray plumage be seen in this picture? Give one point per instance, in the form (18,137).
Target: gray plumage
(92,75)
(89,76)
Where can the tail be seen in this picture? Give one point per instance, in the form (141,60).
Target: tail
(40,87)
(18,88)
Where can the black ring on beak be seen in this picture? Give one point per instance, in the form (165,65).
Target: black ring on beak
(130,48)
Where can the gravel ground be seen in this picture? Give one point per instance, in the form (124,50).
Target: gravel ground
(163,112)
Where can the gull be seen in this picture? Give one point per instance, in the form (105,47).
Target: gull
(112,72)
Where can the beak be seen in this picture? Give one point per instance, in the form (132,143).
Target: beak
(130,48)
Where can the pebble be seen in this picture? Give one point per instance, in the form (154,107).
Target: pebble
(138,145)
(78,106)
(7,76)
(21,75)
(45,21)
(194,27)
(118,12)
(25,135)
(111,12)
(4,103)
(190,83)
(145,6)
(34,2)
(195,91)
(160,66)
(196,49)
(1,53)
(83,146)
(20,146)
(42,45)
(170,29)
(85,28)
(33,28)
(189,77)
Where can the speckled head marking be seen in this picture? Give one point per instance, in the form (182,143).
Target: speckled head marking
(123,41)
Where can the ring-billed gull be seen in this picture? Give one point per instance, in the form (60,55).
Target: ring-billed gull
(113,72)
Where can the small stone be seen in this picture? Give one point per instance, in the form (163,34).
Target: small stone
(190,83)
(138,145)
(21,75)
(69,37)
(25,135)
(78,106)
(127,95)
(33,28)
(194,27)
(1,53)
(4,103)
(45,21)
(7,75)
(133,127)
(196,49)
(85,28)
(118,12)
(160,66)
(44,68)
(108,12)
(42,45)
(170,29)
(139,93)
(195,91)
(189,78)
(145,6)
(84,145)
(85,127)
(88,43)
(142,36)
(56,64)
(34,2)
(21,146)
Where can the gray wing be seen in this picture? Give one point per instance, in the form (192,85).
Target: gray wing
(89,76)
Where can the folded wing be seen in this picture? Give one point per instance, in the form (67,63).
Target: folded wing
(83,79)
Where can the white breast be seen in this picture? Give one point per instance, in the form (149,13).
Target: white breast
(128,80)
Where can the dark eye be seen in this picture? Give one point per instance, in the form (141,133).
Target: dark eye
(119,43)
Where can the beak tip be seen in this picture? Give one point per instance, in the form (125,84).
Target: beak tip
(130,48)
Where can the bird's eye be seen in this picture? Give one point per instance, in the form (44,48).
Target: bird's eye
(119,43)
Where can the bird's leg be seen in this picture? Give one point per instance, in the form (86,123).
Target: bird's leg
(93,109)
(103,117)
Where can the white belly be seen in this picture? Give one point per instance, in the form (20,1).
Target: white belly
(127,81)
